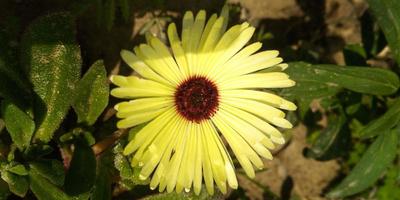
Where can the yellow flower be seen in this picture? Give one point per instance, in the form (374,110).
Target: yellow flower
(205,91)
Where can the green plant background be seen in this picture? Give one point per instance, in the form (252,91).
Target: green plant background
(58,138)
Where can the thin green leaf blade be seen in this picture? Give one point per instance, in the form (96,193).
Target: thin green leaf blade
(328,140)
(387,14)
(368,170)
(92,94)
(52,59)
(19,124)
(385,122)
(324,80)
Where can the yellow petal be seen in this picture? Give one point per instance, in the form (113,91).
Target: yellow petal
(253,120)
(244,153)
(187,24)
(136,118)
(141,68)
(177,50)
(259,80)
(156,63)
(250,134)
(132,86)
(164,55)
(269,113)
(265,97)
(147,133)
(144,104)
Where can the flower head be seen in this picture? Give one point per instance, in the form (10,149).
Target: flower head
(202,92)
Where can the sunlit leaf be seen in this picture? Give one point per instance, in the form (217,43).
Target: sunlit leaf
(18,169)
(91,94)
(17,184)
(19,124)
(52,59)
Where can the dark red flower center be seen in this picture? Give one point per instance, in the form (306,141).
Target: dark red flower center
(196,98)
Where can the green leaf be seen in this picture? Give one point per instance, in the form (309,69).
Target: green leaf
(81,175)
(52,59)
(43,189)
(53,170)
(386,122)
(368,170)
(323,80)
(92,94)
(18,169)
(388,17)
(329,137)
(17,184)
(19,124)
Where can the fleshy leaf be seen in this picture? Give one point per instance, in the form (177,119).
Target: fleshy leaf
(52,60)
(19,124)
(17,184)
(92,94)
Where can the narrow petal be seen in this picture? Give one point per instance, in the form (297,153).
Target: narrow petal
(147,134)
(155,61)
(144,104)
(177,50)
(187,23)
(269,113)
(244,153)
(255,138)
(163,54)
(158,148)
(265,97)
(218,164)
(259,80)
(133,86)
(141,68)
(262,125)
(229,167)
